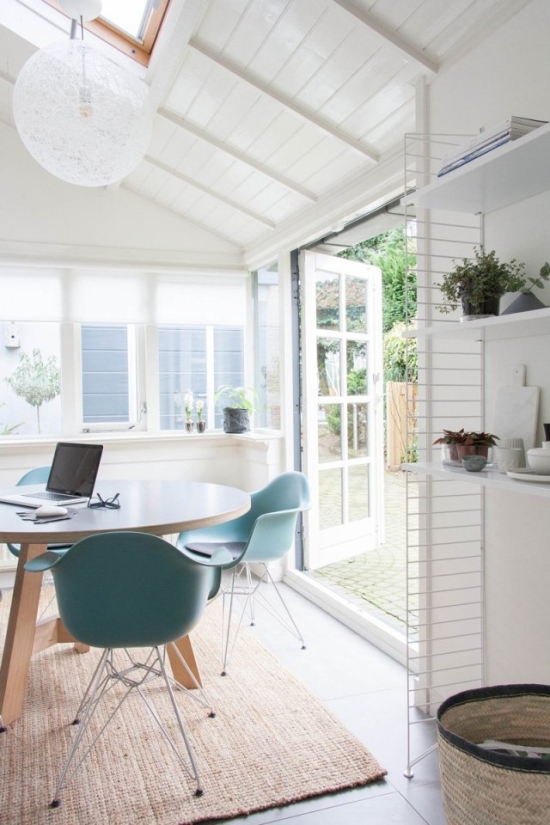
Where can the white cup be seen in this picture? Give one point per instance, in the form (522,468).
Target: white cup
(509,458)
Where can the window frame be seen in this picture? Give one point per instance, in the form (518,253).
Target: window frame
(121,40)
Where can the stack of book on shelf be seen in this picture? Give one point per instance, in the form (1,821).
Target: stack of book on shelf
(511,129)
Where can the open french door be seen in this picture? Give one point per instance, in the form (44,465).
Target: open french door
(342,407)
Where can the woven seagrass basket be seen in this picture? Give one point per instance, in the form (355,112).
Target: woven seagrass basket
(482,787)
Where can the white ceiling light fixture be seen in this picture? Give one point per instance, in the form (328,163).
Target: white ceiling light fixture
(84,118)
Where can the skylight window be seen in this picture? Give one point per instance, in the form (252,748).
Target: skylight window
(131,26)
(129,16)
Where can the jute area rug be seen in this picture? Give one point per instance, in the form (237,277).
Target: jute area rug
(271,743)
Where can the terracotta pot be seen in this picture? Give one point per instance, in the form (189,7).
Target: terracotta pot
(472,449)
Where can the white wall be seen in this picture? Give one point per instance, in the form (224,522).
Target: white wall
(45,219)
(510,75)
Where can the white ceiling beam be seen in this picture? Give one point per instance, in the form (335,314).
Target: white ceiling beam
(237,154)
(328,128)
(233,204)
(389,35)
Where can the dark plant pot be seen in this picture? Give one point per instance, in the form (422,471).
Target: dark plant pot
(235,420)
(201,426)
(488,307)
(525,302)
(472,449)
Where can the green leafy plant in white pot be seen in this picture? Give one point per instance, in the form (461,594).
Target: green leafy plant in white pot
(238,406)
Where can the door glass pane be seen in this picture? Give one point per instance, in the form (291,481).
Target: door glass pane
(327,289)
(330,498)
(356,361)
(358,430)
(356,305)
(329,433)
(358,483)
(328,366)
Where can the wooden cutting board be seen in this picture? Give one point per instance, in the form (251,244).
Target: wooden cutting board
(516,410)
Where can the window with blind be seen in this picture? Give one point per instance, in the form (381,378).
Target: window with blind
(116,349)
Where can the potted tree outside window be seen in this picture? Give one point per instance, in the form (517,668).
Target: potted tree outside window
(478,283)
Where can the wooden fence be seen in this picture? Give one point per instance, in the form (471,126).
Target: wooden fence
(398,447)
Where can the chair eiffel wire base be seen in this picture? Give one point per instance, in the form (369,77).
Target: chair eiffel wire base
(244,585)
(134,677)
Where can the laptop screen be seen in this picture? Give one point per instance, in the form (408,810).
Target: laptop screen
(74,469)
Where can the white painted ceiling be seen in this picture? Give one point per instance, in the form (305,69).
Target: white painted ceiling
(267,110)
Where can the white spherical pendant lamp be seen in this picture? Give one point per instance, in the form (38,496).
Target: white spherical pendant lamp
(83,117)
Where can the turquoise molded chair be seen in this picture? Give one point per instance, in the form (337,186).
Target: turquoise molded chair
(128,590)
(262,535)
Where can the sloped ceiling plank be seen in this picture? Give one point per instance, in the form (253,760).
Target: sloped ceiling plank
(432,18)
(369,79)
(333,52)
(299,110)
(193,182)
(302,30)
(238,155)
(380,106)
(406,47)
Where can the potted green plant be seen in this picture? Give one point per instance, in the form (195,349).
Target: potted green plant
(526,300)
(449,442)
(478,283)
(476,443)
(188,406)
(199,406)
(238,406)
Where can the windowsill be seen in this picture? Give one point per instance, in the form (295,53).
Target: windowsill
(15,444)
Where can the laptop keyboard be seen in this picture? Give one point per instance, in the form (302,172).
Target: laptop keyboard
(49,496)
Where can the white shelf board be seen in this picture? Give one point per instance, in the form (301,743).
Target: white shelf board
(508,174)
(517,325)
(486,478)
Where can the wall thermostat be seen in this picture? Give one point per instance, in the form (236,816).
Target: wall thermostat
(11,336)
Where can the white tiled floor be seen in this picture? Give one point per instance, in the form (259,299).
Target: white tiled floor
(366,690)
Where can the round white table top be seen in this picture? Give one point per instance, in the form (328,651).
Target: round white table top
(149,506)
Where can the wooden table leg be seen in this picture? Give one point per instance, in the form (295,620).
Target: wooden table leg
(178,669)
(18,646)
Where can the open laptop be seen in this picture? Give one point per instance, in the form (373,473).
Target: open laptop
(71,481)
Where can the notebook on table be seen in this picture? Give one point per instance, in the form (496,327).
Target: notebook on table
(71,481)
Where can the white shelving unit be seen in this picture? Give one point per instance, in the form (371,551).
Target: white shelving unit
(519,325)
(495,180)
(445,504)
(486,478)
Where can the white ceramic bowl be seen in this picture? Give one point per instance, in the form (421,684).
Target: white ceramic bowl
(538,459)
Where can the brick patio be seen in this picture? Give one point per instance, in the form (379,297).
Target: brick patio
(375,581)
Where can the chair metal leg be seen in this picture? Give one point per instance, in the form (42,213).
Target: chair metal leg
(135,676)
(250,590)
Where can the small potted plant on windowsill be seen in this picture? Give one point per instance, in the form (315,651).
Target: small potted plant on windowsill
(188,405)
(201,424)
(238,406)
(478,283)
